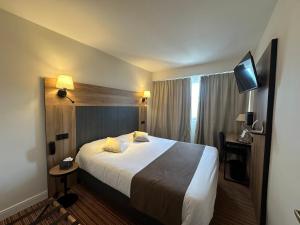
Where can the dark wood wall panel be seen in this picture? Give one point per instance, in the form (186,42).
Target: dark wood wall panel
(263,109)
(257,156)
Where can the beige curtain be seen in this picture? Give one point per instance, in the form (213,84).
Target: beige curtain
(219,105)
(171,109)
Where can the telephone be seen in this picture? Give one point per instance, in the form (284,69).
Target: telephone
(243,133)
(245,136)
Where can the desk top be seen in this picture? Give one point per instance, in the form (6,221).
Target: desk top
(233,138)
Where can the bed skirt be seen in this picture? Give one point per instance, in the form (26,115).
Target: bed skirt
(113,197)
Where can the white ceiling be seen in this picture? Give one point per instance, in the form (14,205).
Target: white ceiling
(154,34)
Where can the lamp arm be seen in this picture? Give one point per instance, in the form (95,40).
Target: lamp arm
(70,99)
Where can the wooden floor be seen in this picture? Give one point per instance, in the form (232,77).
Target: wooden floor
(233,207)
(233,204)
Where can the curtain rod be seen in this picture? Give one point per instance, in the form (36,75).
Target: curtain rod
(211,74)
(201,75)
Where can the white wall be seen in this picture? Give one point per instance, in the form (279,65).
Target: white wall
(208,68)
(284,180)
(27,53)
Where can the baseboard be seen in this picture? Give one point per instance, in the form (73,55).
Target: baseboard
(23,205)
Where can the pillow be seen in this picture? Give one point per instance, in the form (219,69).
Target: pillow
(126,137)
(139,136)
(93,147)
(124,145)
(114,145)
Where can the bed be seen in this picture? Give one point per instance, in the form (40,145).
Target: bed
(118,171)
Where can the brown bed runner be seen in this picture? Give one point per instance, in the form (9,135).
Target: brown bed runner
(158,190)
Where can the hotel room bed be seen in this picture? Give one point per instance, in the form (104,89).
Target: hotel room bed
(118,170)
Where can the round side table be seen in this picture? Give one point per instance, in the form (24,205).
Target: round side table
(67,199)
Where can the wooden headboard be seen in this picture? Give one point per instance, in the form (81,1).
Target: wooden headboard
(97,112)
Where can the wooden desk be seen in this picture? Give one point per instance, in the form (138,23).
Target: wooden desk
(232,138)
(237,147)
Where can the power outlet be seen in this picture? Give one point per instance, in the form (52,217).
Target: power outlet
(62,136)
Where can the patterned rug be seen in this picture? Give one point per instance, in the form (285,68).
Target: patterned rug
(42,213)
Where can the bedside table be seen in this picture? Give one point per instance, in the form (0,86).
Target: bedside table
(67,199)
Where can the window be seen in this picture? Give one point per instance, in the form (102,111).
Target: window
(194,104)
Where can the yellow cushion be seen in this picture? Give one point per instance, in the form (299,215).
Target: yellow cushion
(112,145)
(139,136)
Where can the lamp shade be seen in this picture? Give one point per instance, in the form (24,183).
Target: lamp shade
(147,94)
(64,82)
(241,118)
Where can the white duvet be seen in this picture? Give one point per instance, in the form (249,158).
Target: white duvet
(118,169)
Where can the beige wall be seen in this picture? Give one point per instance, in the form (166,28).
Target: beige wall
(27,53)
(284,181)
(208,68)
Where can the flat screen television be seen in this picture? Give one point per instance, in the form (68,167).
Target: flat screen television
(245,74)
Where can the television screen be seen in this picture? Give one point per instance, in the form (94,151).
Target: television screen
(245,74)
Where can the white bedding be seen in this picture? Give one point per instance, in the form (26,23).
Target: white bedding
(118,169)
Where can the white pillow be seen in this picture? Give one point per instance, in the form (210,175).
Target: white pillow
(139,136)
(124,145)
(126,137)
(114,145)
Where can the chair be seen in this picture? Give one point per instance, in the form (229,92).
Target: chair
(222,146)
(226,148)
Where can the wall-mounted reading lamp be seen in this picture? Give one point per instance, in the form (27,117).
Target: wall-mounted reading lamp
(64,83)
(147,94)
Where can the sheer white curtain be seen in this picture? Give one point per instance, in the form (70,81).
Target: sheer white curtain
(195,89)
